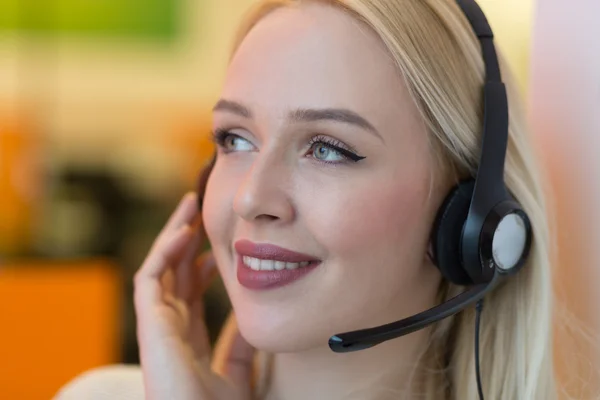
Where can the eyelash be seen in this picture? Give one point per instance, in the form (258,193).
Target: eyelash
(221,135)
(336,146)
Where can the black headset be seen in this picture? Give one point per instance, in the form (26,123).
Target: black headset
(481,233)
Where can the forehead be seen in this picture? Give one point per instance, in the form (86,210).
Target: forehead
(315,56)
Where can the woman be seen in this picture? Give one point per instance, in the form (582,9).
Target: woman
(341,128)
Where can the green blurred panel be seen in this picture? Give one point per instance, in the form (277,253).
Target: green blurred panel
(158,19)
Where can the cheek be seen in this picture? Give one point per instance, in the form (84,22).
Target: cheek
(376,237)
(380,215)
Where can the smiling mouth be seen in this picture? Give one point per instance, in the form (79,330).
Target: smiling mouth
(258,264)
(267,266)
(271,278)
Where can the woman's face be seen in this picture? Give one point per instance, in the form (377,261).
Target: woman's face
(324,154)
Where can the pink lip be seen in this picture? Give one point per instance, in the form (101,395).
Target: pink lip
(262,280)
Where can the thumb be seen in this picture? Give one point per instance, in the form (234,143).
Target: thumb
(233,355)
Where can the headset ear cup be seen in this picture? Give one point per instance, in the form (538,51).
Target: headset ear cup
(447,233)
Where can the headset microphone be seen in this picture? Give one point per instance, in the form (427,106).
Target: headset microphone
(363,339)
(481,233)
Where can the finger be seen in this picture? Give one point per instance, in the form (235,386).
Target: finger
(184,214)
(199,335)
(185,210)
(207,270)
(167,281)
(162,255)
(187,272)
(234,356)
(152,280)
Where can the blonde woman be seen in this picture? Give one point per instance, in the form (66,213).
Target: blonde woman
(341,130)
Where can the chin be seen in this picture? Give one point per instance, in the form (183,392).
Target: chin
(274,332)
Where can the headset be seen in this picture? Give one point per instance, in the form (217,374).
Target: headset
(481,233)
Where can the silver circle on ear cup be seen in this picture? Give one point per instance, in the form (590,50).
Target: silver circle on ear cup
(509,241)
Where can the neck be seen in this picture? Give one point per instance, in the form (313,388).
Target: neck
(388,368)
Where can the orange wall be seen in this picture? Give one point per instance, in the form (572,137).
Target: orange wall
(58,320)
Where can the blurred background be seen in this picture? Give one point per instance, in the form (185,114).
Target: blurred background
(104,121)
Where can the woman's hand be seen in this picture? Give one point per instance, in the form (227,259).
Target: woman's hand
(174,346)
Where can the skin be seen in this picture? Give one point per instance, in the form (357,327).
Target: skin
(367,221)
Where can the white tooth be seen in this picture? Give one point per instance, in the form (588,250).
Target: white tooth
(291,265)
(271,265)
(279,265)
(267,265)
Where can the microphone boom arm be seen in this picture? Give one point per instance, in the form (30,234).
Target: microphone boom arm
(365,338)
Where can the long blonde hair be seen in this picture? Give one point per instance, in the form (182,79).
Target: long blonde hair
(439,57)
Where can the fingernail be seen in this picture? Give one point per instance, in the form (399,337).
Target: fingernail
(190,197)
(191,193)
(186,197)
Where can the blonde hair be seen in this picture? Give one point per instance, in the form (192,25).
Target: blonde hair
(439,57)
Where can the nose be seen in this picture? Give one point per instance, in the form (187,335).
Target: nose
(263,194)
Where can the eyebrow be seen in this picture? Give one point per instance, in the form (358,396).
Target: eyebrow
(232,107)
(305,115)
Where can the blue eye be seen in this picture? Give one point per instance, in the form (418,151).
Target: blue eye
(323,152)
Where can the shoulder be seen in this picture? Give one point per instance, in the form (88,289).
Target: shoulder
(109,382)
